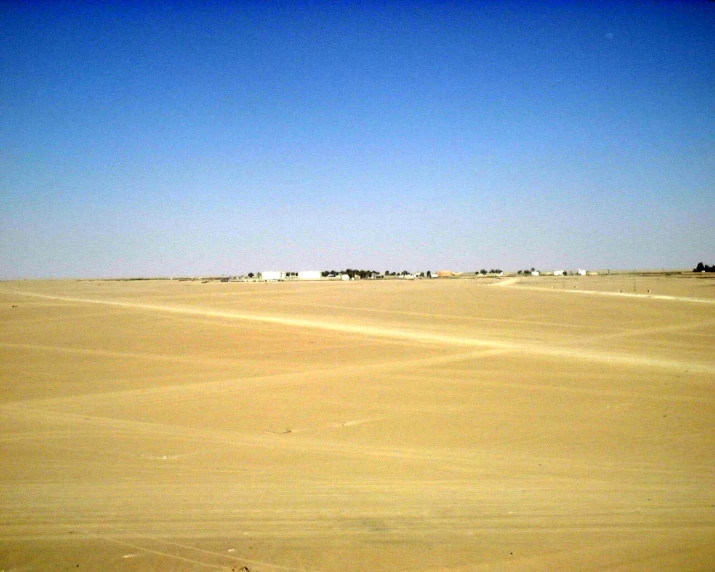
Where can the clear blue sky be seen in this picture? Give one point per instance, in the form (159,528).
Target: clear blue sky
(150,139)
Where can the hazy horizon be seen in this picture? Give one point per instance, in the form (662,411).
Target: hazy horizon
(257,272)
(211,139)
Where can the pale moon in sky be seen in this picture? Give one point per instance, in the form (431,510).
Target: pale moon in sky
(609,36)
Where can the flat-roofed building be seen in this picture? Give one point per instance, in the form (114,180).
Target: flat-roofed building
(272,275)
(309,275)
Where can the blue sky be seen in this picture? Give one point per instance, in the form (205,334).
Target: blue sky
(195,138)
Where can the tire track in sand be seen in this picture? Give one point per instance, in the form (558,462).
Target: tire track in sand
(520,286)
(401,334)
(218,555)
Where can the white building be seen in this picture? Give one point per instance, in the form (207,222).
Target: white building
(309,275)
(581,272)
(272,275)
(558,272)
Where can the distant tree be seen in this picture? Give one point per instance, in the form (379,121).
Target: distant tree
(704,268)
(483,272)
(518,272)
(251,275)
(429,274)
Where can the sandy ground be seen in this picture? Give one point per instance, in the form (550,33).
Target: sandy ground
(333,427)
(696,287)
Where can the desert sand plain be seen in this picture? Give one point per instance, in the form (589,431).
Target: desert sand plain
(453,425)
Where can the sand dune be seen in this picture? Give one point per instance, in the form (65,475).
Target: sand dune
(426,425)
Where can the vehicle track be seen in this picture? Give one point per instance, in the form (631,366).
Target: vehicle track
(403,334)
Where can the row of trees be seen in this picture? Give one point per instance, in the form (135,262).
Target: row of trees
(704,268)
(350,272)
(484,272)
(374,273)
(369,273)
(407,273)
